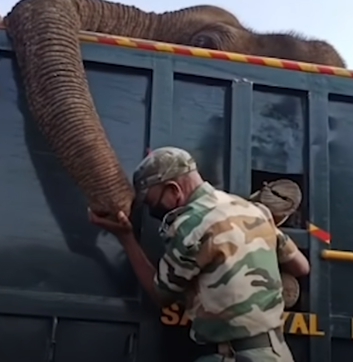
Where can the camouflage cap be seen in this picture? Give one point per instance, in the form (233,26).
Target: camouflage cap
(161,165)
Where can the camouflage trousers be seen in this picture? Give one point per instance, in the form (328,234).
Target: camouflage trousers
(278,352)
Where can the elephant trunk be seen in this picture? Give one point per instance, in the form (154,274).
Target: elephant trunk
(45,40)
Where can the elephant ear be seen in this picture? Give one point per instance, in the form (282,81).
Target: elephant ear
(282,197)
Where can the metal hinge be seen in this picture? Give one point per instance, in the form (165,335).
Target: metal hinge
(130,347)
(52,342)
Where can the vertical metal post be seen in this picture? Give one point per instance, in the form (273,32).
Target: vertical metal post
(319,214)
(240,137)
(161,120)
(52,342)
(159,134)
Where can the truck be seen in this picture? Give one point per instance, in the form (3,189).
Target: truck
(67,291)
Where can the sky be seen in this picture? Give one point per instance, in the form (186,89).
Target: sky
(322,19)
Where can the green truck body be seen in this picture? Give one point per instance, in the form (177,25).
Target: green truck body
(67,291)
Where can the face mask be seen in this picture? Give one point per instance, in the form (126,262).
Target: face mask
(158,211)
(168,219)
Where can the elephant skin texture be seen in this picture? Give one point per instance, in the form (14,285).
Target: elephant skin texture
(45,40)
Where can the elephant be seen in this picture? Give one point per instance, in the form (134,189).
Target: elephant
(44,35)
(294,46)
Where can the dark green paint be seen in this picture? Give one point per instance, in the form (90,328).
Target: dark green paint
(66,285)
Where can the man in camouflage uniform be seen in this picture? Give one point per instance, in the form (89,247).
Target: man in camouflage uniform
(221,259)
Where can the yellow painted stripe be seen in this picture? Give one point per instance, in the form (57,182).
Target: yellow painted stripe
(342,72)
(312,227)
(276,63)
(238,58)
(89,38)
(307,67)
(127,42)
(199,52)
(164,47)
(337,255)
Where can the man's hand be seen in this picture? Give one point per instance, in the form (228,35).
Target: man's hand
(121,227)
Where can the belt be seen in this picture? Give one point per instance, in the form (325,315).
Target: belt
(262,340)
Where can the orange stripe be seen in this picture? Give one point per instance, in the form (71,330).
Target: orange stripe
(90,37)
(319,233)
(213,54)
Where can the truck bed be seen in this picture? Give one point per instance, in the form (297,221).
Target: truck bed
(66,288)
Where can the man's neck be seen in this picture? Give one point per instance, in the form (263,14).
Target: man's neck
(189,183)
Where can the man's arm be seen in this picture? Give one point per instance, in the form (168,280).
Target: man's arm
(291,259)
(177,268)
(123,230)
(142,267)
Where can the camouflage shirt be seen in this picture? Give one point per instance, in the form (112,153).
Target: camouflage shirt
(222,255)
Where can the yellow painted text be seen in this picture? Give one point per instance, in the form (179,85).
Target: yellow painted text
(293,323)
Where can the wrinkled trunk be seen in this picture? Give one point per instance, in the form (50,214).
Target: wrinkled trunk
(45,39)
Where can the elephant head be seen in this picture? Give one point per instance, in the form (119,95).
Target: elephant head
(293,46)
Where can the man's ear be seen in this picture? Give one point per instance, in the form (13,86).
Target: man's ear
(174,187)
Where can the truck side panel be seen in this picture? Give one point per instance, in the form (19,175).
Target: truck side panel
(53,263)
(64,283)
(340,131)
(205,111)
(52,222)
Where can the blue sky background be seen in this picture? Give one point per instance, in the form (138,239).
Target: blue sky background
(316,18)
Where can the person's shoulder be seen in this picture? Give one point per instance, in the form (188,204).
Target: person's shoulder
(196,210)
(216,207)
(192,218)
(234,205)
(220,205)
(253,221)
